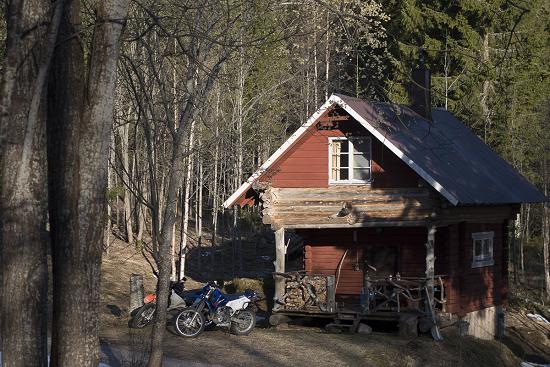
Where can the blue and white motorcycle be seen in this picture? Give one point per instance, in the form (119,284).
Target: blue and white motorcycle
(212,307)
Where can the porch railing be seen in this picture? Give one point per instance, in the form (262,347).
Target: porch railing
(399,294)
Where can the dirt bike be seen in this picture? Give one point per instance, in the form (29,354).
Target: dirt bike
(212,307)
(179,297)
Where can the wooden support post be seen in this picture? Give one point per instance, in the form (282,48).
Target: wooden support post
(136,291)
(280,252)
(430,260)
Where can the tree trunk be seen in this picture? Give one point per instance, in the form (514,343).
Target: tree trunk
(524,233)
(214,192)
(546,226)
(200,185)
(327,57)
(186,206)
(163,260)
(79,123)
(109,224)
(315,68)
(124,139)
(174,275)
(175,179)
(546,245)
(31,35)
(136,292)
(484,100)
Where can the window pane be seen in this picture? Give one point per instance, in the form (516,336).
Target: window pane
(486,248)
(335,163)
(344,146)
(335,174)
(344,174)
(477,248)
(361,145)
(344,160)
(336,146)
(361,174)
(361,161)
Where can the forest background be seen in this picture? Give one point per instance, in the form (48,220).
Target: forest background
(489,62)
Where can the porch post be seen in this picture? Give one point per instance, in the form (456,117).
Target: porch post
(280,252)
(430,260)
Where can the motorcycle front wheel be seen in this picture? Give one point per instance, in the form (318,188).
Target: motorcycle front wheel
(189,323)
(143,316)
(243,322)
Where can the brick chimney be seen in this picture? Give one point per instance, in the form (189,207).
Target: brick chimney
(421,96)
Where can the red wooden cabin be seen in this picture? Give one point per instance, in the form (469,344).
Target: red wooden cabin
(409,191)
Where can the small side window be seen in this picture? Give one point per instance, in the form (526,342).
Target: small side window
(482,249)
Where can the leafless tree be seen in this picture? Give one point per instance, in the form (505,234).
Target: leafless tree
(80,115)
(31,34)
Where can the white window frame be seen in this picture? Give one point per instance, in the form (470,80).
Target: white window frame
(485,259)
(351,162)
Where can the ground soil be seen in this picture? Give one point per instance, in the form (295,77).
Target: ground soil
(301,345)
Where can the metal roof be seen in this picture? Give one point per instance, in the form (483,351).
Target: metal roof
(448,152)
(444,152)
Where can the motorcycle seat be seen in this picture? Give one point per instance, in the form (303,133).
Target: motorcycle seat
(234,296)
(247,293)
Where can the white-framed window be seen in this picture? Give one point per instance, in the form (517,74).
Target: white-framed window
(350,160)
(482,249)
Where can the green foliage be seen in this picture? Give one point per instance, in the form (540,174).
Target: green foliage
(114,192)
(490,67)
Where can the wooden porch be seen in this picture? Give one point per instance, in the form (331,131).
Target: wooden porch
(407,301)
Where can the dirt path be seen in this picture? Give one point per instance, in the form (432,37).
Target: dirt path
(295,346)
(114,355)
(310,346)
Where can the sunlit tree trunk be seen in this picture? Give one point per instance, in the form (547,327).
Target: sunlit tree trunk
(186,204)
(200,184)
(327,58)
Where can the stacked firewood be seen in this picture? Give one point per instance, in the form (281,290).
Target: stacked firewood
(305,291)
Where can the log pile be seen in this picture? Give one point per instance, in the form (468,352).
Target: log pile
(308,292)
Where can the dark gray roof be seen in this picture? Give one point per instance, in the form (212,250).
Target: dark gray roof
(448,153)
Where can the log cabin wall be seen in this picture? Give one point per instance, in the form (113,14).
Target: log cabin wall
(469,288)
(324,248)
(306,163)
(364,206)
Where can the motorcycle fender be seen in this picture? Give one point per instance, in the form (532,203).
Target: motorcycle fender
(150,298)
(239,303)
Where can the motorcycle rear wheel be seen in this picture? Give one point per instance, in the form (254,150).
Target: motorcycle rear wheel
(245,322)
(143,316)
(189,323)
